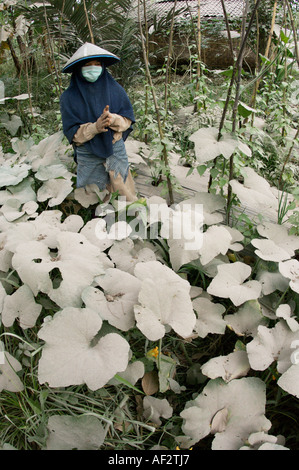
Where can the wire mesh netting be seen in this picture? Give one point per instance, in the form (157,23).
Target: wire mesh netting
(208,8)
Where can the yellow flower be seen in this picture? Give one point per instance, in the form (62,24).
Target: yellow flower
(153,352)
(178,448)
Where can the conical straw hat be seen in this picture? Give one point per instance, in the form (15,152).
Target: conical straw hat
(89,51)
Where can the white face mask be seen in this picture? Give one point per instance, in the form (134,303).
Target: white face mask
(92,72)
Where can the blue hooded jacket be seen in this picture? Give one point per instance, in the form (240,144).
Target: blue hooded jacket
(84,102)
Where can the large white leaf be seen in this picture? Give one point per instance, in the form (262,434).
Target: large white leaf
(272,344)
(216,240)
(78,261)
(289,380)
(209,317)
(11,124)
(271,282)
(116,302)
(74,433)
(207,146)
(164,301)
(9,366)
(48,172)
(279,234)
(246,320)
(244,399)
(13,175)
(127,253)
(229,283)
(290,270)
(73,355)
(269,251)
(22,306)
(255,193)
(232,366)
(89,195)
(54,190)
(211,206)
(44,229)
(23,192)
(46,152)
(154,408)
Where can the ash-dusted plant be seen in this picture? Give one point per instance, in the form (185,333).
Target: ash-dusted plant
(147,337)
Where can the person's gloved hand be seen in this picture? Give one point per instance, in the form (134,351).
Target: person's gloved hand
(104,121)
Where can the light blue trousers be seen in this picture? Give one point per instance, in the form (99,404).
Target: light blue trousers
(92,169)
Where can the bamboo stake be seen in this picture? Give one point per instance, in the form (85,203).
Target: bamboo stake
(287,3)
(228,30)
(169,59)
(267,51)
(160,128)
(147,55)
(198,71)
(237,67)
(58,90)
(88,23)
(271,30)
(235,110)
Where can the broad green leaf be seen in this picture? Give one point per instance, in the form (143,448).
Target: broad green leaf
(244,110)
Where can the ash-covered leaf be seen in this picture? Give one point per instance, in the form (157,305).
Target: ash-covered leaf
(232,366)
(229,283)
(115,302)
(9,366)
(246,320)
(77,260)
(209,317)
(74,355)
(164,300)
(244,399)
(13,175)
(21,305)
(272,344)
(154,408)
(208,147)
(290,270)
(54,191)
(74,433)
